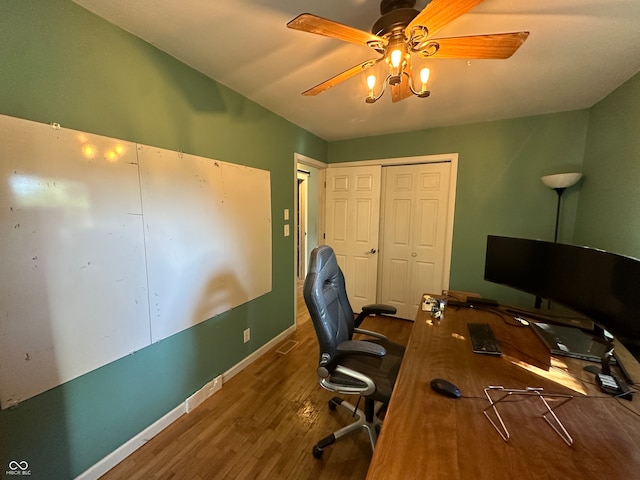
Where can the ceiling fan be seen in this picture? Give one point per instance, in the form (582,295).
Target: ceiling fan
(402,31)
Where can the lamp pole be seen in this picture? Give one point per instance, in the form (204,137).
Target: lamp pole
(559,191)
(559,182)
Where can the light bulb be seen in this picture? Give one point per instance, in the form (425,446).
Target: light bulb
(371,82)
(396,57)
(424,78)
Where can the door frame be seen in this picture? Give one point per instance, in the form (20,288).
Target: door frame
(298,158)
(301,222)
(451,158)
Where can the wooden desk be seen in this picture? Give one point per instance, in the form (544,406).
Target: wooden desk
(428,436)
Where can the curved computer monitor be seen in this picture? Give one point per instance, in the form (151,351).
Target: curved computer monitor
(601,285)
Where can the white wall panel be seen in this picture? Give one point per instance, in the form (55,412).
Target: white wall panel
(109,246)
(73,293)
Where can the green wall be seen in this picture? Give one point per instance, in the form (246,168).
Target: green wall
(499,189)
(609,210)
(63,64)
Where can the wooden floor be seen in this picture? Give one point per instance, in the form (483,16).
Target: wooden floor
(263,423)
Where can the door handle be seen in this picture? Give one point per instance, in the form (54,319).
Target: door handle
(373,250)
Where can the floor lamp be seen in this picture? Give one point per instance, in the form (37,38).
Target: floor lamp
(559,182)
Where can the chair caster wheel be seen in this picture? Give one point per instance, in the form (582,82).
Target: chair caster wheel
(317,453)
(333,404)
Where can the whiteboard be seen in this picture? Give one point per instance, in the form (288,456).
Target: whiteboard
(248,190)
(208,235)
(73,292)
(109,246)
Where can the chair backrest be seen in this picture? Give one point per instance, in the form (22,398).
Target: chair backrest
(326,298)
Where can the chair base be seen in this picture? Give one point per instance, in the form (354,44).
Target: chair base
(366,419)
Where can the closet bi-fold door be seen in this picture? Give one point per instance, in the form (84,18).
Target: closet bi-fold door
(415,209)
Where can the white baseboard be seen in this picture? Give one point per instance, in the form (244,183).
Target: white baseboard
(122,452)
(201,395)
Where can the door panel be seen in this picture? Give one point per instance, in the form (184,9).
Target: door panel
(415,209)
(427,223)
(360,280)
(353,212)
(423,281)
(363,221)
(400,222)
(340,220)
(399,271)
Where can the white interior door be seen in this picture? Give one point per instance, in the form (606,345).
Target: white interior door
(416,200)
(352,225)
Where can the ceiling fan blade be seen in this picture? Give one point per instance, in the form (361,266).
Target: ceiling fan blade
(402,90)
(341,77)
(439,13)
(308,22)
(495,46)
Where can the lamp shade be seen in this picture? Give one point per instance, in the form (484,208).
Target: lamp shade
(561,180)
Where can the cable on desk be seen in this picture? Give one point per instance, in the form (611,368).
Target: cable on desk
(626,405)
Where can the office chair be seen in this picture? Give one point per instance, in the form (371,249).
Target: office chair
(364,367)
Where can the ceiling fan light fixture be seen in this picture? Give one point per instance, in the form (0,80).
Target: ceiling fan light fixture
(399,67)
(424,78)
(371,83)
(402,32)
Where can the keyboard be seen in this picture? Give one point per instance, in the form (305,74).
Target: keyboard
(483,340)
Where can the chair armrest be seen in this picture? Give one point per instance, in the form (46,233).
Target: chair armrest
(379,308)
(358,347)
(370,333)
(365,390)
(348,347)
(374,309)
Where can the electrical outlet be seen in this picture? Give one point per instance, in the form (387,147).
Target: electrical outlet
(247,335)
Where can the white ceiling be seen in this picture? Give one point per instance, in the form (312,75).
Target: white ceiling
(578,51)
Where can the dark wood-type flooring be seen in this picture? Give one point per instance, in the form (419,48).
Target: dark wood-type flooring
(263,423)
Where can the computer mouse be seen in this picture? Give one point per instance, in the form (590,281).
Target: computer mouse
(445,387)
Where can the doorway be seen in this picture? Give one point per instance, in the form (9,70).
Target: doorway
(308,212)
